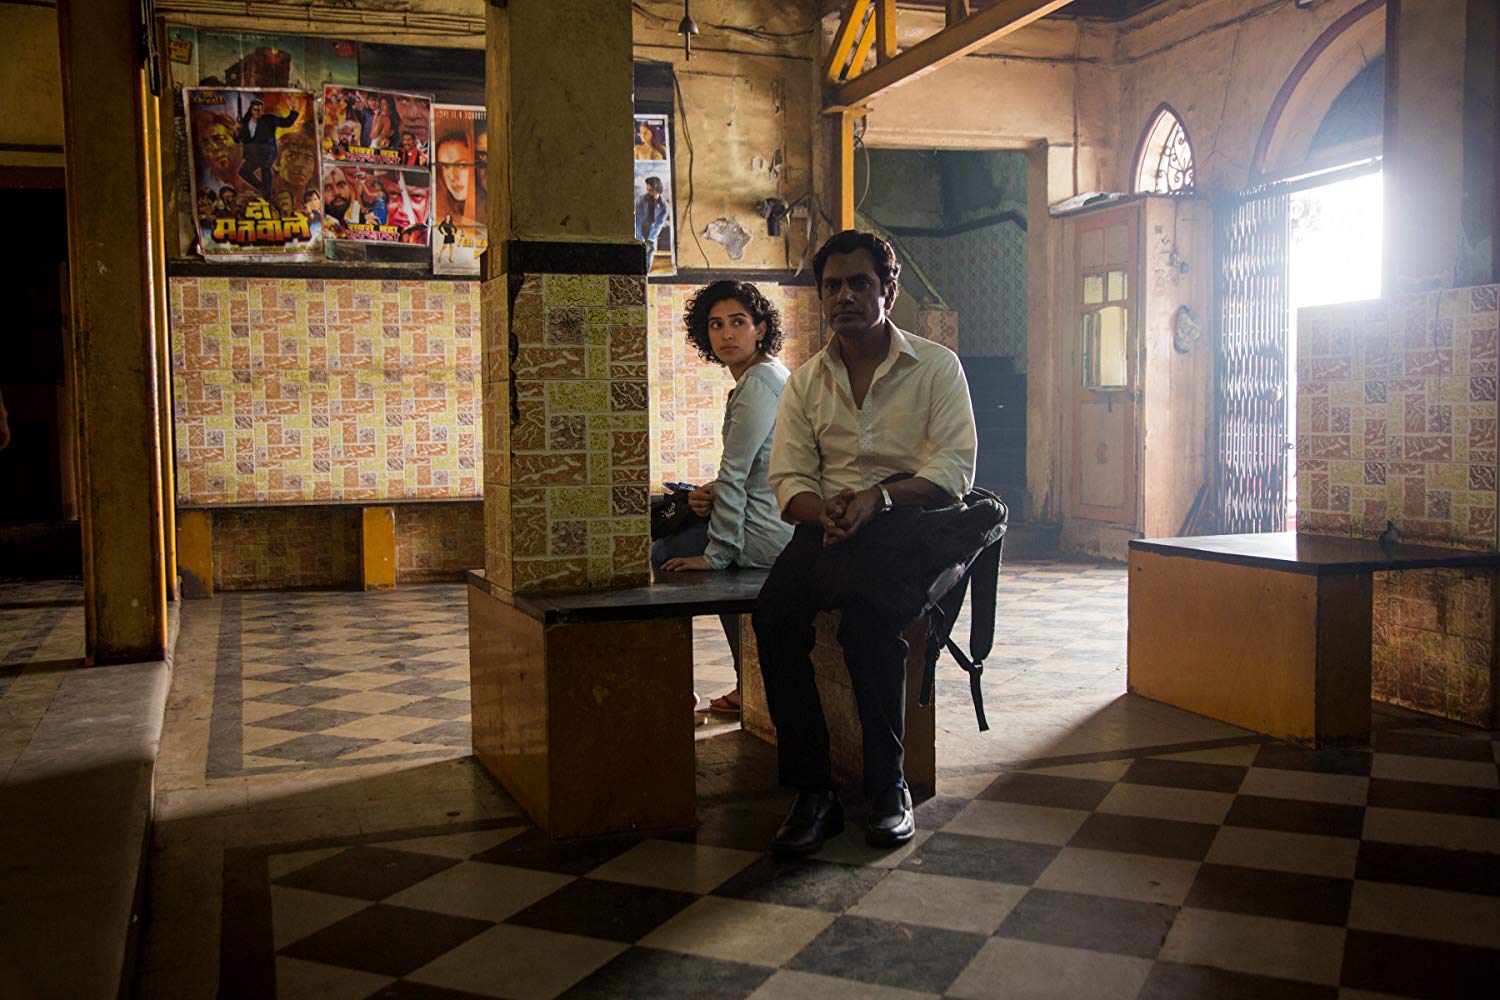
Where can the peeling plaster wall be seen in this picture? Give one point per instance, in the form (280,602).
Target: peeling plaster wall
(31,80)
(745,99)
(1220,64)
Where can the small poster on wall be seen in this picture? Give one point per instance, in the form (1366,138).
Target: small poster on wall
(376,205)
(384,127)
(460,153)
(654,224)
(253,167)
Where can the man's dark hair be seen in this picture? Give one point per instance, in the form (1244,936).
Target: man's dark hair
(887,267)
(757,305)
(654,184)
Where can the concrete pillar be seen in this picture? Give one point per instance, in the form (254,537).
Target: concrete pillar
(564,303)
(111,262)
(1424,143)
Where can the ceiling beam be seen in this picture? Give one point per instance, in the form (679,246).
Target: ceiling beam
(844,40)
(973,32)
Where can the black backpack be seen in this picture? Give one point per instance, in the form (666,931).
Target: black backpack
(670,512)
(981,576)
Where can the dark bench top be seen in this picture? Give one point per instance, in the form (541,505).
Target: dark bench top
(668,595)
(1315,555)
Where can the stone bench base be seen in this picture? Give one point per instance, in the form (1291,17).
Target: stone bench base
(844,731)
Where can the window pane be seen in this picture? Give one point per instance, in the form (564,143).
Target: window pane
(1105,347)
(1117,286)
(1112,347)
(1093,289)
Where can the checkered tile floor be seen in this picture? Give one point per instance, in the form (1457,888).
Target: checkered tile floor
(1256,869)
(317,679)
(1091,845)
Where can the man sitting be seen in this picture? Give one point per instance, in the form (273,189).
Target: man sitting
(876,403)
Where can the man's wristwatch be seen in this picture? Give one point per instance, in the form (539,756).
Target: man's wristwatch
(885,498)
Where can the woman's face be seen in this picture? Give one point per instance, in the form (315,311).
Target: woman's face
(453,169)
(732,332)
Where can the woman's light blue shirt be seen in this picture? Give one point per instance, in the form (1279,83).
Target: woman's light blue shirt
(746,528)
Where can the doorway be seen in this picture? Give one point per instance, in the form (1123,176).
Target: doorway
(957,221)
(38,473)
(1334,257)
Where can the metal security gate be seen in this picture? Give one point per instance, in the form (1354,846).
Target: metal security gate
(1254,339)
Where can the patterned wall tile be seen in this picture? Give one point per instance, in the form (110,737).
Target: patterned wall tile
(281,547)
(572,417)
(982,275)
(290,390)
(687,395)
(939,326)
(438,541)
(1396,420)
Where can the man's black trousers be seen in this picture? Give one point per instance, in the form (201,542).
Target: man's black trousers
(807,579)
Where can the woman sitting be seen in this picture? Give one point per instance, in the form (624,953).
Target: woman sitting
(732,324)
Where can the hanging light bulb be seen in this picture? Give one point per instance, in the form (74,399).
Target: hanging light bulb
(687,28)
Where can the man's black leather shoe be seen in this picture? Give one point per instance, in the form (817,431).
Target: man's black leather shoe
(815,817)
(891,822)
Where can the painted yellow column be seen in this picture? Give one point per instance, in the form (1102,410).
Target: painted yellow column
(163,344)
(378,548)
(111,260)
(195,552)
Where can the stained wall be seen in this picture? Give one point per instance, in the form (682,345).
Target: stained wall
(748,123)
(31,80)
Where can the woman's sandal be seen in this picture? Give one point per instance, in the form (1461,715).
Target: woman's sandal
(726,704)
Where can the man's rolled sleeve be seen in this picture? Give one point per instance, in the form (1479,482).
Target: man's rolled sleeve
(951,426)
(794,451)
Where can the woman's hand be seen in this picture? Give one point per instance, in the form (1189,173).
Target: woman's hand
(701,500)
(686,563)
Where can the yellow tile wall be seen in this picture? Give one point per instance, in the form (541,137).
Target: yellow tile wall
(292,390)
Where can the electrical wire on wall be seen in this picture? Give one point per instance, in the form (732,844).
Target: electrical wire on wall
(859,144)
(687,139)
(738,29)
(348,21)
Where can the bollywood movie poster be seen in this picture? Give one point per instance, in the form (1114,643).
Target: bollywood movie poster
(654,222)
(460,216)
(382,127)
(254,171)
(376,204)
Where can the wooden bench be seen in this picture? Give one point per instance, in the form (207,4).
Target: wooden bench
(582,702)
(1270,632)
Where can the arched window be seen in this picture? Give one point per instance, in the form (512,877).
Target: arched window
(1164,164)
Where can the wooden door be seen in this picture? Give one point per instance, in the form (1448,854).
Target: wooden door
(1106,377)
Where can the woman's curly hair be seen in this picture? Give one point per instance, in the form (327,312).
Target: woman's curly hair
(760,308)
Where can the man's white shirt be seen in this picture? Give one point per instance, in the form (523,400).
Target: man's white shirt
(916,418)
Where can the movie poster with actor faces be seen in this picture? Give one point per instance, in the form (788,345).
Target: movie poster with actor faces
(460,155)
(376,205)
(382,127)
(654,223)
(254,171)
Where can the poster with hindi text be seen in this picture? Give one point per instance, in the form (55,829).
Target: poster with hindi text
(253,168)
(383,127)
(376,204)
